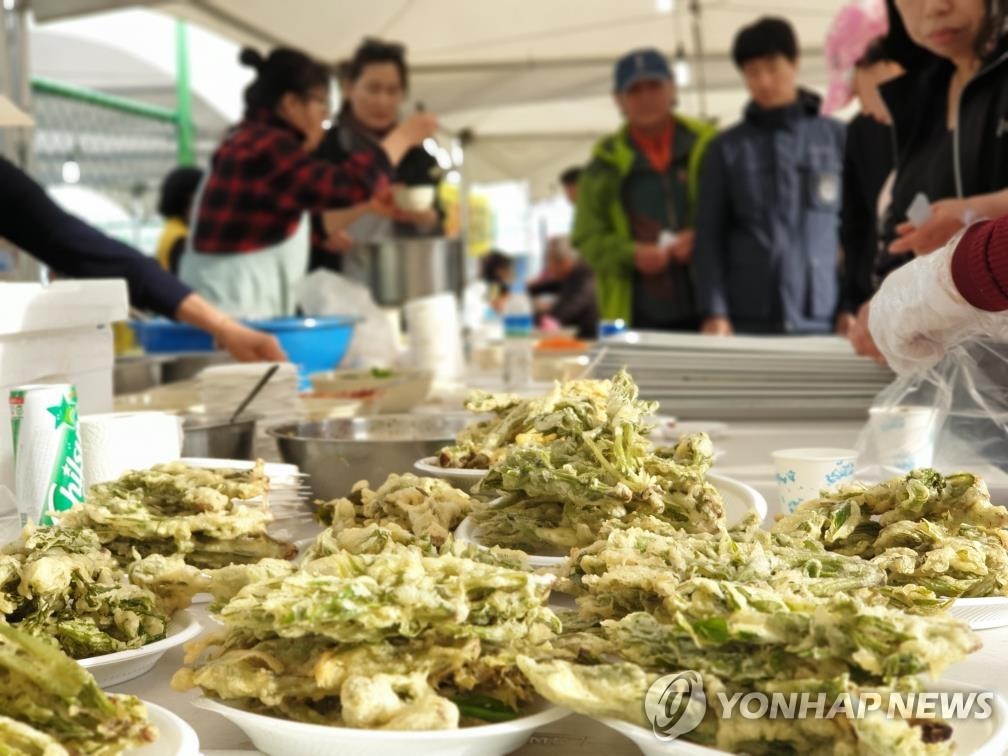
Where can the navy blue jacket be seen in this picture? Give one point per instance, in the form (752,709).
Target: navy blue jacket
(36,224)
(767,244)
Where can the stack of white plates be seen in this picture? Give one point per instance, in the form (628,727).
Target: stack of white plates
(745,377)
(289,494)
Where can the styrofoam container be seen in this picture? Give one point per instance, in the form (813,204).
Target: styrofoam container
(59,333)
(112,669)
(175,736)
(281,737)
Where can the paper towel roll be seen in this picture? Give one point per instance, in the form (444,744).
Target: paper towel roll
(119,441)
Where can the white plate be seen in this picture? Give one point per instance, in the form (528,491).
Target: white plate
(112,669)
(739,499)
(978,737)
(277,472)
(457,477)
(984,613)
(175,736)
(281,737)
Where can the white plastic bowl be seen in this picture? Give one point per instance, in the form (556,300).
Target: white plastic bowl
(739,500)
(414,198)
(282,737)
(979,737)
(175,736)
(112,669)
(457,477)
(984,613)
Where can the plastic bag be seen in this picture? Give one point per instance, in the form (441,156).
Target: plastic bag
(952,416)
(375,342)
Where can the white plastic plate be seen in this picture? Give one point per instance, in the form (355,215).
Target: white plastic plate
(175,736)
(457,477)
(984,613)
(282,737)
(112,669)
(978,737)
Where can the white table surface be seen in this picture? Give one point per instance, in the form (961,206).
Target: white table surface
(747,448)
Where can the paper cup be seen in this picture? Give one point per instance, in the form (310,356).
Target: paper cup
(803,473)
(903,437)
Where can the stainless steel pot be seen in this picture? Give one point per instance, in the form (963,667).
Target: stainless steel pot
(398,270)
(338,453)
(215,436)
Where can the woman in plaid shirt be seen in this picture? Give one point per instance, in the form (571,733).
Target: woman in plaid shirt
(251,237)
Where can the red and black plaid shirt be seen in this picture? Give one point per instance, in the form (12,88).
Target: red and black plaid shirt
(261,181)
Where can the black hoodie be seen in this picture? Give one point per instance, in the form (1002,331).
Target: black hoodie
(977,149)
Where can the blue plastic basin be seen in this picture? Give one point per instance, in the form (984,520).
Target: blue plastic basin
(313,344)
(163,336)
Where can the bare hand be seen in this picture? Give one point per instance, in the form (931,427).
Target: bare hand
(860,337)
(338,243)
(247,344)
(418,127)
(650,259)
(681,249)
(947,218)
(717,326)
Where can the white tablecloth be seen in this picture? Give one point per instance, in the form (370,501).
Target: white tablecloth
(747,449)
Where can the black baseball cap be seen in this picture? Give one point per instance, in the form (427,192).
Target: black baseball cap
(639,65)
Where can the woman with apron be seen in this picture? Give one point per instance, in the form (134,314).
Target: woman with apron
(251,233)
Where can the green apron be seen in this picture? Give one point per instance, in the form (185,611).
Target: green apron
(250,284)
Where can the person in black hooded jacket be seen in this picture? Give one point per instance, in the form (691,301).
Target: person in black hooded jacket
(950,127)
(950,117)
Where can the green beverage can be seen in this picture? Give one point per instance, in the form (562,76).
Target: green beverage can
(48,459)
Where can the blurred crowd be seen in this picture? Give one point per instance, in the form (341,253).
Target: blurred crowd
(884,229)
(792,222)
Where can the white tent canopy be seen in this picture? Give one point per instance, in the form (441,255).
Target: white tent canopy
(530,79)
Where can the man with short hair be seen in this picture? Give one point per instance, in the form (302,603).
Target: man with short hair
(636,200)
(767,248)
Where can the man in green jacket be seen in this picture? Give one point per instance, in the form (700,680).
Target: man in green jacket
(636,201)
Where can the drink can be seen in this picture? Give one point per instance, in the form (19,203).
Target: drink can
(48,459)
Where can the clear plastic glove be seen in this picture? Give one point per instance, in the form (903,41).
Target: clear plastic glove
(918,313)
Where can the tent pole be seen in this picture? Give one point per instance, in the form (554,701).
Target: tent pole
(183,97)
(698,54)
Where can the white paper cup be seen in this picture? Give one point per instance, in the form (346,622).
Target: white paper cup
(903,437)
(803,473)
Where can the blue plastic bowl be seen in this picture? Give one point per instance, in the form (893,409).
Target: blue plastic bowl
(164,336)
(313,344)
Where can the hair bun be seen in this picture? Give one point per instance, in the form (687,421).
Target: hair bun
(252,58)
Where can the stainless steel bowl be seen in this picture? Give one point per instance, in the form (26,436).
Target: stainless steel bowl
(214,436)
(337,453)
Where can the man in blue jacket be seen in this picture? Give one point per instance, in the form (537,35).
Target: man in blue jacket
(767,246)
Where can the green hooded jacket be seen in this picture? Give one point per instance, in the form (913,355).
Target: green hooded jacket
(601,227)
